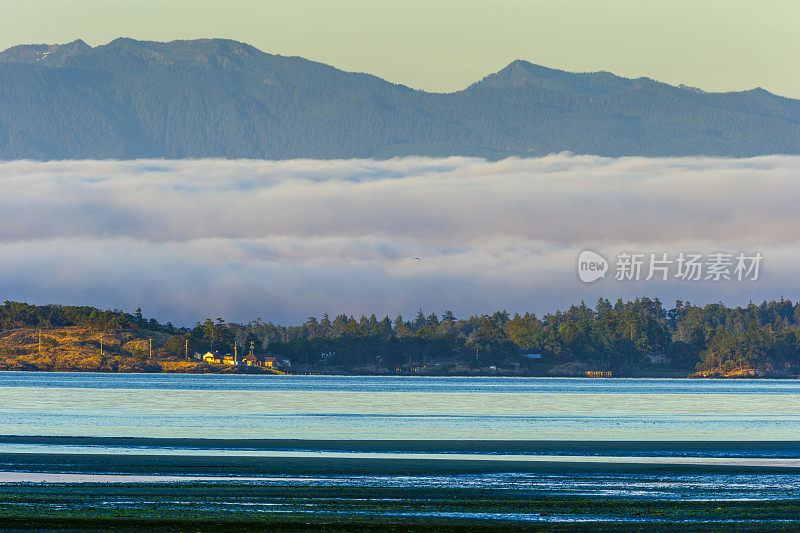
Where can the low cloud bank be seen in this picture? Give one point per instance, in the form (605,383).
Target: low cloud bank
(282,240)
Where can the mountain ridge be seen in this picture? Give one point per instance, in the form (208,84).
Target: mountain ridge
(224,98)
(10,55)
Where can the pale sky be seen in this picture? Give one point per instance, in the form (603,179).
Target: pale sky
(444,45)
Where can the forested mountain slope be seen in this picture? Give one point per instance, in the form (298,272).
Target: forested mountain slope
(221,98)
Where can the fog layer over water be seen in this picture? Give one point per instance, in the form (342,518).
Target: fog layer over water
(281,240)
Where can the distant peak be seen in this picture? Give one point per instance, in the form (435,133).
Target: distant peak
(520,73)
(45,54)
(223,52)
(123,40)
(762,93)
(521,64)
(76,47)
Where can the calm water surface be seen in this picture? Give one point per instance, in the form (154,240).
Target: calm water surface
(385,408)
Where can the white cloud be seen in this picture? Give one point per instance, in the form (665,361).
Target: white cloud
(282,240)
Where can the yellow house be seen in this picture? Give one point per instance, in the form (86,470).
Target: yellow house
(229,360)
(211,357)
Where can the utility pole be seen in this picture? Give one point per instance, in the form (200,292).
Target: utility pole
(151,350)
(235,352)
(40,340)
(101,345)
(186,350)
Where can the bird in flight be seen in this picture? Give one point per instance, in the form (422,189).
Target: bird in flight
(418,259)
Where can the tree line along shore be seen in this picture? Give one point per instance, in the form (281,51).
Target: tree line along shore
(639,337)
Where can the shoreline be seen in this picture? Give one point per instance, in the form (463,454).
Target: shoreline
(249,371)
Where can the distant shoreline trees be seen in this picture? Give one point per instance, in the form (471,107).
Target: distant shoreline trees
(622,336)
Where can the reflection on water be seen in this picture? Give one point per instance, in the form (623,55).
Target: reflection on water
(326,407)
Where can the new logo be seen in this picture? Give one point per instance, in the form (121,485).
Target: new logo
(591,266)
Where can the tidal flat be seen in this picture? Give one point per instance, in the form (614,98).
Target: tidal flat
(207,490)
(142,452)
(247,507)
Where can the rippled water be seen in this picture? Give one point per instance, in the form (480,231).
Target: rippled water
(409,447)
(698,487)
(385,408)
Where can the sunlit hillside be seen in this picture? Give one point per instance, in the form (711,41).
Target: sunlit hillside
(79,350)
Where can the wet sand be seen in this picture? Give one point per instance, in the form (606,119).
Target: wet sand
(221,465)
(201,488)
(236,507)
(269,457)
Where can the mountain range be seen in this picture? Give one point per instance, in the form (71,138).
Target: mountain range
(222,98)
